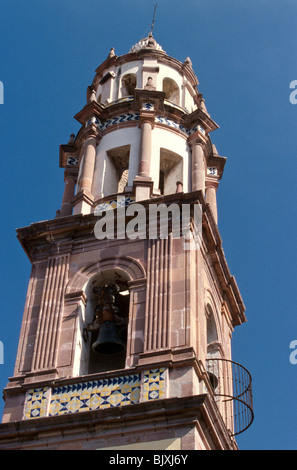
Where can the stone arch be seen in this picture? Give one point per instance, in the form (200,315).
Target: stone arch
(130,266)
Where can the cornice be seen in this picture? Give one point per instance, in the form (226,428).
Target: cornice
(90,109)
(127,112)
(183,411)
(199,116)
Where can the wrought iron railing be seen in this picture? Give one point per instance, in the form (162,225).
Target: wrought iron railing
(232,388)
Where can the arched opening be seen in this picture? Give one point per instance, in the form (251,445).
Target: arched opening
(171,89)
(107,313)
(212,334)
(129,82)
(81,301)
(171,171)
(213,347)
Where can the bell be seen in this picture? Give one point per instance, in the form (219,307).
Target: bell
(108,341)
(214,382)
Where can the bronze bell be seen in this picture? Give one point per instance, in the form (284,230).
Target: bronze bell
(108,341)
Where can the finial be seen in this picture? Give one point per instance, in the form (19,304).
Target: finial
(71,139)
(188,62)
(112,52)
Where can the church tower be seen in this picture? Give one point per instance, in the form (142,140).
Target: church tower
(126,335)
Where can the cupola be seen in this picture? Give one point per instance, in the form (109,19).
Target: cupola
(145,133)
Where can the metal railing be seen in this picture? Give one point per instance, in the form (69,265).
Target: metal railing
(232,388)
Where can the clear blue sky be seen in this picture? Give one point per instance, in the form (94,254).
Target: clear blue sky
(245,56)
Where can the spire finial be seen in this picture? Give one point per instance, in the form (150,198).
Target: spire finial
(153,23)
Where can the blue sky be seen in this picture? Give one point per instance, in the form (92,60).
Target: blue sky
(244,54)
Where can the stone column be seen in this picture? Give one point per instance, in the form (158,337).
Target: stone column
(143,183)
(83,201)
(145,151)
(88,164)
(198,165)
(66,208)
(211,198)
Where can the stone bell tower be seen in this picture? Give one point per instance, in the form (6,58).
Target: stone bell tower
(126,338)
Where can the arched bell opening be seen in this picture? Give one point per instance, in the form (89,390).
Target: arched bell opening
(107,311)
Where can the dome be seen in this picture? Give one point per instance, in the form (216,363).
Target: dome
(147,43)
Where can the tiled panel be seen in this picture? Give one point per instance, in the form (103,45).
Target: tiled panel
(154,384)
(95,394)
(113,204)
(37,403)
(130,117)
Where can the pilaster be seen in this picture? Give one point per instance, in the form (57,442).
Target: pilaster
(158,303)
(47,336)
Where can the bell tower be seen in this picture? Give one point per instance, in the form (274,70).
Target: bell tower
(126,335)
